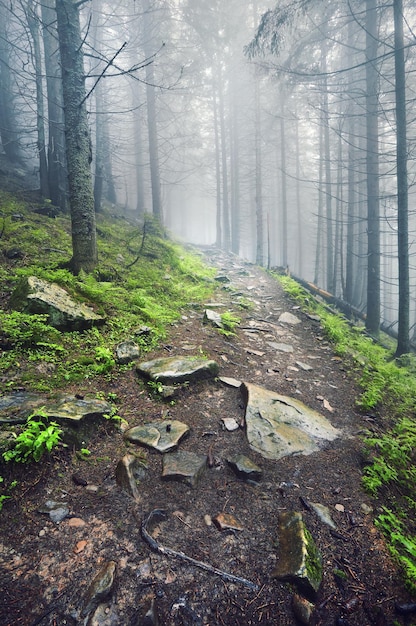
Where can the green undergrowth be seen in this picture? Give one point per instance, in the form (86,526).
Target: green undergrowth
(143,279)
(388,391)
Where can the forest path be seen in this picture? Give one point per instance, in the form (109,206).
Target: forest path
(47,567)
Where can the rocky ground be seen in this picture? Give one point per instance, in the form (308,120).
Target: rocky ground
(47,568)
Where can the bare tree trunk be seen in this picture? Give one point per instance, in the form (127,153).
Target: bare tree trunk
(328,182)
(33,23)
(8,125)
(403,341)
(152,115)
(224,165)
(78,144)
(258,177)
(283,183)
(373,210)
(218,238)
(57,170)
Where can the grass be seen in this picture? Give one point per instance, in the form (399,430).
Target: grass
(141,280)
(388,388)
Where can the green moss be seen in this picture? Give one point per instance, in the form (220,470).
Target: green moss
(313,560)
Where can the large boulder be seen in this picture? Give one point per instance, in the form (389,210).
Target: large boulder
(279,426)
(34,295)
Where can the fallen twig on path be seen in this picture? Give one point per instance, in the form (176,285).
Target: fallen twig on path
(156,547)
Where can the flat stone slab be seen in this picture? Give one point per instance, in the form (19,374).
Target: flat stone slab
(15,408)
(162,436)
(184,466)
(289,318)
(127,351)
(74,410)
(34,295)
(300,561)
(245,468)
(279,426)
(281,347)
(178,369)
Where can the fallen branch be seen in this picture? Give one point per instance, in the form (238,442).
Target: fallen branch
(156,547)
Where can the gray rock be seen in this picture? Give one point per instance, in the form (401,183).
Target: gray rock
(162,436)
(74,410)
(304,366)
(34,295)
(184,466)
(58,514)
(127,351)
(104,616)
(230,382)
(280,347)
(99,589)
(222,279)
(323,514)
(57,511)
(245,468)
(127,471)
(213,318)
(15,408)
(171,370)
(279,426)
(289,318)
(230,424)
(299,561)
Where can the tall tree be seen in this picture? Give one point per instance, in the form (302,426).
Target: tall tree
(403,343)
(57,172)
(78,143)
(373,194)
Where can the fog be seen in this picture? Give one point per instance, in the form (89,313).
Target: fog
(239,125)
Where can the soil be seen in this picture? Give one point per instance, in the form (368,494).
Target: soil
(46,571)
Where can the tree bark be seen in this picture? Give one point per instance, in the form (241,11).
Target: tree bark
(57,170)
(403,341)
(78,143)
(373,211)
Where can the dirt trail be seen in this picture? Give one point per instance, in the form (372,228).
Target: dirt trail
(47,567)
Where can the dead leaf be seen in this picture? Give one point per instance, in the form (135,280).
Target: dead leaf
(328,407)
(80,546)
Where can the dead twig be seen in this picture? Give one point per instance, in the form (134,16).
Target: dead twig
(156,547)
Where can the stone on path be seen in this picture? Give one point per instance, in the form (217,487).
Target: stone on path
(184,466)
(230,382)
(126,472)
(289,318)
(280,347)
(34,295)
(73,410)
(299,560)
(127,351)
(178,369)
(245,468)
(213,318)
(230,424)
(99,589)
(163,436)
(323,514)
(279,426)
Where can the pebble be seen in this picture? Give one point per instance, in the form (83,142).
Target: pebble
(340,508)
(91,488)
(80,546)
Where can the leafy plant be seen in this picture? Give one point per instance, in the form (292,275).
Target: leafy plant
(4,497)
(38,438)
(401,544)
(229,323)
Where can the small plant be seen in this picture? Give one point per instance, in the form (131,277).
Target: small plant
(38,438)
(105,360)
(85,452)
(114,417)
(156,387)
(401,544)
(229,323)
(5,497)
